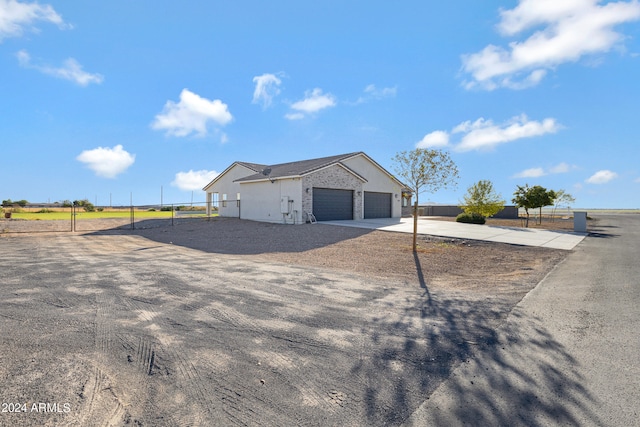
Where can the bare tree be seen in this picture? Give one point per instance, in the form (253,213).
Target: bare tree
(424,170)
(562,199)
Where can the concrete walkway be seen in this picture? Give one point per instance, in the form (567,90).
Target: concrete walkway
(490,233)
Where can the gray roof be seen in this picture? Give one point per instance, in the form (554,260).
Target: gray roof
(256,167)
(299,168)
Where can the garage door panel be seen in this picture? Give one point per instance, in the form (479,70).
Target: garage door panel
(377,205)
(331,204)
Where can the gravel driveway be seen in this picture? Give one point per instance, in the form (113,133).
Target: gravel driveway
(231,322)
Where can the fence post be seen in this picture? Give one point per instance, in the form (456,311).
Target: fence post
(172,214)
(73,218)
(132,219)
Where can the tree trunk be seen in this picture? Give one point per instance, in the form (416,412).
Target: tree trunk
(415,225)
(540,220)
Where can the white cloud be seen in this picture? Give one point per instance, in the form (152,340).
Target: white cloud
(313,102)
(571,30)
(371,92)
(71,70)
(561,168)
(538,172)
(107,162)
(193,180)
(530,173)
(15,17)
(266,89)
(294,116)
(437,138)
(484,134)
(191,115)
(601,177)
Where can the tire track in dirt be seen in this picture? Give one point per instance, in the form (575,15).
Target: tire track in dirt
(104,322)
(154,357)
(101,405)
(328,394)
(330,397)
(215,391)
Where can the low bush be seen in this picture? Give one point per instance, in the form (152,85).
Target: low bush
(471,218)
(44,211)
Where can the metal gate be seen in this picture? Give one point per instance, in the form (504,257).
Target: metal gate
(331,204)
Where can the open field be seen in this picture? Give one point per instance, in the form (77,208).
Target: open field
(229,322)
(62,215)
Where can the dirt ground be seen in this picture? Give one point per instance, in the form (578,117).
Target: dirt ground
(229,322)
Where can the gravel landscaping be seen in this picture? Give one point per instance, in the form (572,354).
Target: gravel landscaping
(230,322)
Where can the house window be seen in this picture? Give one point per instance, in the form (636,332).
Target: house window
(224,200)
(238,199)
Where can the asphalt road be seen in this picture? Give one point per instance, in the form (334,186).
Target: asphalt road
(569,353)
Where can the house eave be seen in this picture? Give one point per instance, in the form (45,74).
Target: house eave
(265,179)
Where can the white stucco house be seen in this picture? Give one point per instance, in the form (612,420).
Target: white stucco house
(347,186)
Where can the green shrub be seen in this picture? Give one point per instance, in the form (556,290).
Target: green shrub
(151,210)
(44,211)
(166,208)
(470,218)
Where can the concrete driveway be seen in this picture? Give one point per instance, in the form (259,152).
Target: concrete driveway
(490,233)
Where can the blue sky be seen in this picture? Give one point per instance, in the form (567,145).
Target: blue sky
(118,100)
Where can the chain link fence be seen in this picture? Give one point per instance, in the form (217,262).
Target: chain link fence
(47,218)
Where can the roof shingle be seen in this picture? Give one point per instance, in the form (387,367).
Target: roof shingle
(298,168)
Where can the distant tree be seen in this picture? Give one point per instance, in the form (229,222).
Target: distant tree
(532,198)
(66,203)
(424,170)
(9,203)
(85,204)
(562,199)
(482,199)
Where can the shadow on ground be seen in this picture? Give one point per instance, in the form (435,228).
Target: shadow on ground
(239,237)
(249,343)
(435,335)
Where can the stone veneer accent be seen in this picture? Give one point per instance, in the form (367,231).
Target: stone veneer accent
(332,177)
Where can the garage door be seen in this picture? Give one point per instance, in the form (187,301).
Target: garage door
(377,205)
(331,205)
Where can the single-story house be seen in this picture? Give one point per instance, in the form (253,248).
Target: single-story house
(347,186)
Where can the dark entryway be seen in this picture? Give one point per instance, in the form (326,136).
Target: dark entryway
(330,204)
(377,205)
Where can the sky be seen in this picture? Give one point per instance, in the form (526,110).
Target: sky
(147,101)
